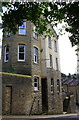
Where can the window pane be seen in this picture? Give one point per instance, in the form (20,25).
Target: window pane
(35,54)
(49,41)
(21,48)
(35,51)
(58,86)
(23,25)
(35,34)
(52,86)
(8,33)
(21,56)
(6,54)
(57,63)
(35,58)
(7,49)
(55,46)
(22,31)
(50,60)
(7,57)
(51,81)
(35,84)
(35,80)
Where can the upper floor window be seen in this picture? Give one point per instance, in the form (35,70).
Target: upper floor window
(6,53)
(8,33)
(52,86)
(35,34)
(58,85)
(22,29)
(51,61)
(21,52)
(55,45)
(36,83)
(49,42)
(57,63)
(35,55)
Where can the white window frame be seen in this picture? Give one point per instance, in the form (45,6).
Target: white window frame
(6,53)
(36,88)
(57,64)
(35,55)
(35,34)
(51,63)
(22,28)
(49,42)
(52,86)
(21,52)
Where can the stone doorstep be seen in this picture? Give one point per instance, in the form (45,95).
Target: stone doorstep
(39,116)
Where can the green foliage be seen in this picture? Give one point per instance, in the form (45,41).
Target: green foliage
(42,14)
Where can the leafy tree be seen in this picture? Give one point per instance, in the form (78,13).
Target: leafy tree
(42,14)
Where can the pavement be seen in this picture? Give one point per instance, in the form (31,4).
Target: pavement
(41,116)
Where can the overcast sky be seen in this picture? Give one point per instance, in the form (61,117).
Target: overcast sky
(68,57)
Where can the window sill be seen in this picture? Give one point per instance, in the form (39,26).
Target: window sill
(5,61)
(52,93)
(35,63)
(22,34)
(36,90)
(21,61)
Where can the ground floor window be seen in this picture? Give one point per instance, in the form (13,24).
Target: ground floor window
(52,86)
(58,85)
(36,83)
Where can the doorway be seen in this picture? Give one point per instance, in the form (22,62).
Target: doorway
(8,100)
(44,95)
